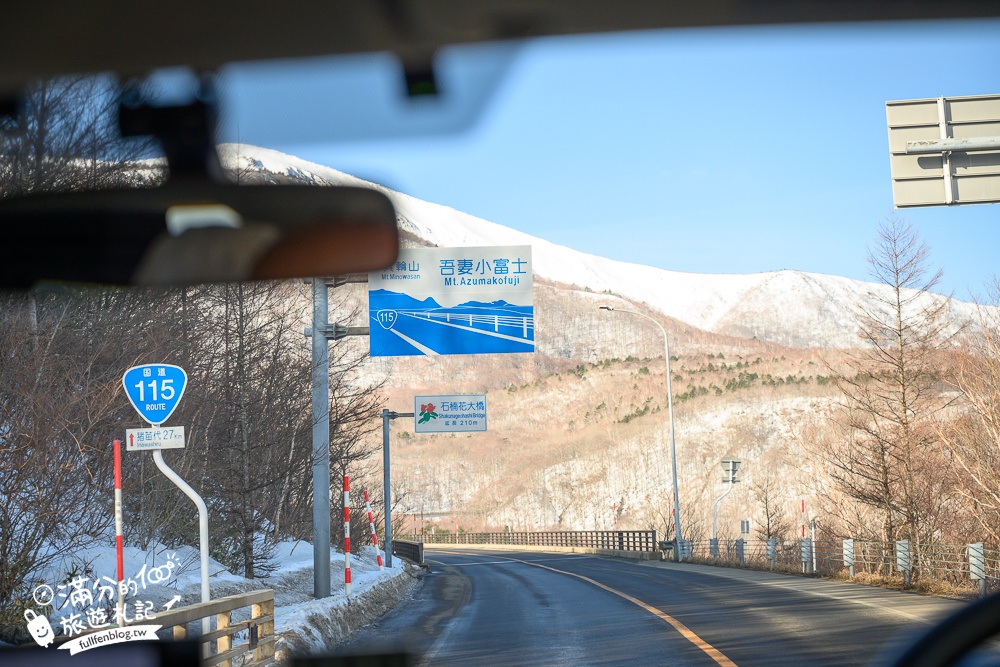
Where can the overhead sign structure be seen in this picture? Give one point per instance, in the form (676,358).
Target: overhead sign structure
(167,437)
(155,390)
(945,150)
(461,413)
(432,301)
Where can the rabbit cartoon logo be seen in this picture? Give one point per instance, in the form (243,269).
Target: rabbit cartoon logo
(40,628)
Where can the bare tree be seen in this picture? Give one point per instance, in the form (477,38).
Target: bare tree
(891,459)
(65,138)
(259,381)
(774,522)
(63,351)
(973,435)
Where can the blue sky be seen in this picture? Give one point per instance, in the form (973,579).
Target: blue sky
(719,151)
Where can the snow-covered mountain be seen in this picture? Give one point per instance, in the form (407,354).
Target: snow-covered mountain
(792,308)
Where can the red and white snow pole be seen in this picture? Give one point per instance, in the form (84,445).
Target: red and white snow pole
(803,518)
(118,531)
(371,522)
(347,535)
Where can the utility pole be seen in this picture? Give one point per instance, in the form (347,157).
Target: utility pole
(321,421)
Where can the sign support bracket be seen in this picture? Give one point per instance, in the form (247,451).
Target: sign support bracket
(949,181)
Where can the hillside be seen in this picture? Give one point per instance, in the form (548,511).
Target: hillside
(791,308)
(578,432)
(566,448)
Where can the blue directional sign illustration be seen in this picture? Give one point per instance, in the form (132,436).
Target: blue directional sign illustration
(475,300)
(155,390)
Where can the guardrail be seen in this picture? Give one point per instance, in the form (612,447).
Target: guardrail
(410,550)
(219,646)
(965,566)
(617,540)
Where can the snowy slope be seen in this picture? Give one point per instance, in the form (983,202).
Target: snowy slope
(789,307)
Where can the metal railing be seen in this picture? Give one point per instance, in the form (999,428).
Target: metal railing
(412,551)
(616,540)
(964,566)
(222,645)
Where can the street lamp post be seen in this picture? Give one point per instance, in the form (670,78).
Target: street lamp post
(670,410)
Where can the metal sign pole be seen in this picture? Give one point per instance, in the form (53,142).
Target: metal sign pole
(387,479)
(202,526)
(320,440)
(154,390)
(730,466)
(322,332)
(386,492)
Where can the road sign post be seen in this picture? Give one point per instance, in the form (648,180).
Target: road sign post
(320,439)
(729,466)
(322,332)
(154,391)
(387,480)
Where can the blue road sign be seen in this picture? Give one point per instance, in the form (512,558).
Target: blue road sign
(155,390)
(475,300)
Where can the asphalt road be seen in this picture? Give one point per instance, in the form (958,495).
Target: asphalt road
(530,608)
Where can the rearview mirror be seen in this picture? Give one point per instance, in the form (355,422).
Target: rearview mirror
(195,231)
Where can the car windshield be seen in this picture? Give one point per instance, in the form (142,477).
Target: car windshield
(683,357)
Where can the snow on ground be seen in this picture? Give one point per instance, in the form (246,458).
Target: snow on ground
(304,620)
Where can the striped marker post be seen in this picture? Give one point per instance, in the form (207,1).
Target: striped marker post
(371,522)
(347,535)
(118,531)
(803,518)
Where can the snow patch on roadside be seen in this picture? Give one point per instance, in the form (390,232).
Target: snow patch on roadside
(303,624)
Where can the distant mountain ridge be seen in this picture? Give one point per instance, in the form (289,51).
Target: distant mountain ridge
(792,308)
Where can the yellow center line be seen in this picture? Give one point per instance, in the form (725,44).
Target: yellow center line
(685,631)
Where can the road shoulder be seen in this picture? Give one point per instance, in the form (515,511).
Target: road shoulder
(910,606)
